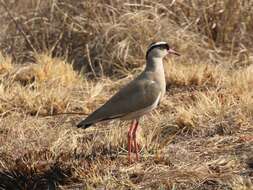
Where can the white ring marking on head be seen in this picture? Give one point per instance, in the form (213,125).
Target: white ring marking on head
(157,43)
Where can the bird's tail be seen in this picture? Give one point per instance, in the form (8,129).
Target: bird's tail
(95,117)
(84,124)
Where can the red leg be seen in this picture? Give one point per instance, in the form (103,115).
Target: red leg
(130,136)
(134,139)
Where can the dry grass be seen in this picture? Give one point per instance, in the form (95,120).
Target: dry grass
(200,137)
(111,37)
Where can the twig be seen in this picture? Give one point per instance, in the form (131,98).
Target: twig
(45,115)
(64,113)
(89,60)
(19,27)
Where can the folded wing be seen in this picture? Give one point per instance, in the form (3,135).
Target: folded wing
(137,95)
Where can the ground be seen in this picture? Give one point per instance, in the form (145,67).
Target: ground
(62,59)
(200,137)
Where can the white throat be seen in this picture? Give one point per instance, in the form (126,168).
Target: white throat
(155,64)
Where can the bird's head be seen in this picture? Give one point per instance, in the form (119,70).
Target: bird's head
(160,50)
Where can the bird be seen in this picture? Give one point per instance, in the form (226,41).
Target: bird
(137,98)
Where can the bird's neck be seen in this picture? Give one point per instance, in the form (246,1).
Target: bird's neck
(155,64)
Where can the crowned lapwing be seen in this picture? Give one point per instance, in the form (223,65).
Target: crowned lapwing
(137,98)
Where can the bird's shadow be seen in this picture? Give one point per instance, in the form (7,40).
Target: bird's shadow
(17,179)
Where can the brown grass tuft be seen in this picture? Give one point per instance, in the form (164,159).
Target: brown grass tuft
(200,137)
(5,64)
(197,74)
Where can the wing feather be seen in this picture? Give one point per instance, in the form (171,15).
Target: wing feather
(137,95)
